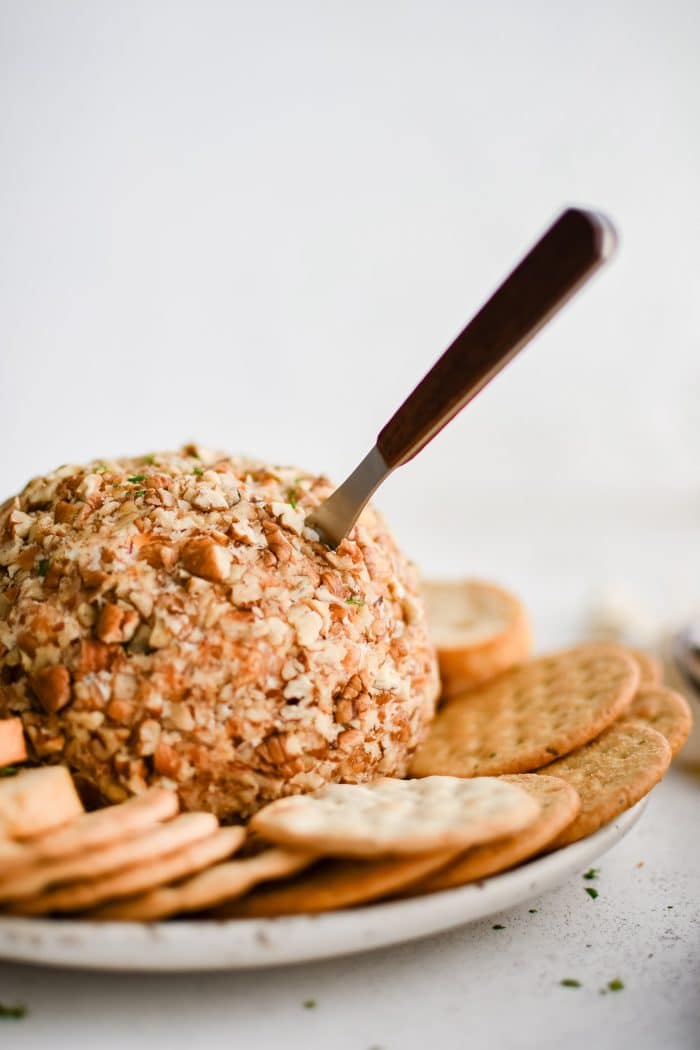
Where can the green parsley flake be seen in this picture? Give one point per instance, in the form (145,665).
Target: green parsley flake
(12,1013)
(616,985)
(139,492)
(135,478)
(43,566)
(570,982)
(100,468)
(591,892)
(8,771)
(198,471)
(592,873)
(498,927)
(310,1004)
(354,601)
(149,459)
(291,499)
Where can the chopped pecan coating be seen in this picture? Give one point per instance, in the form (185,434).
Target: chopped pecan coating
(171,619)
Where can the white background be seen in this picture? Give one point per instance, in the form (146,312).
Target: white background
(258,224)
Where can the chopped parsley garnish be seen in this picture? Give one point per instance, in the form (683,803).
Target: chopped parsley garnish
(150,459)
(8,771)
(592,873)
(616,985)
(198,471)
(139,492)
(100,468)
(354,601)
(291,498)
(43,566)
(498,927)
(570,982)
(12,1013)
(310,1004)
(135,478)
(591,892)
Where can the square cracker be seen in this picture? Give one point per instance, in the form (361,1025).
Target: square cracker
(36,800)
(12,746)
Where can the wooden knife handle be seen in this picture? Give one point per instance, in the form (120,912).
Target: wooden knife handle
(571,250)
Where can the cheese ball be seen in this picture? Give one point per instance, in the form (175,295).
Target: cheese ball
(170,619)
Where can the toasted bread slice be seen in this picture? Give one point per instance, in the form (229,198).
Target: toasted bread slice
(479,630)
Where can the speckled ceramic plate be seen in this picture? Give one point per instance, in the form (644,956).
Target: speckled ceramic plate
(250,943)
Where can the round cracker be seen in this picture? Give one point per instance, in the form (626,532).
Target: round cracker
(152,844)
(610,774)
(478,629)
(559,805)
(223,882)
(334,884)
(535,712)
(665,711)
(651,670)
(95,830)
(132,881)
(391,817)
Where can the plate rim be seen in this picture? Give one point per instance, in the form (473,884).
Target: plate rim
(246,944)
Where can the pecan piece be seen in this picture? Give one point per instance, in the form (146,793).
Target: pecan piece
(158,554)
(203,557)
(277,542)
(65,512)
(52,686)
(94,656)
(115,624)
(166,760)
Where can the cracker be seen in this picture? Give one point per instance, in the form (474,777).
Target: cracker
(530,714)
(223,882)
(132,881)
(479,630)
(94,830)
(333,884)
(610,774)
(665,711)
(396,816)
(651,670)
(12,746)
(559,805)
(36,800)
(149,846)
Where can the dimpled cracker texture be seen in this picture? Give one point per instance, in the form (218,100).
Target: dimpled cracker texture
(559,805)
(665,711)
(610,774)
(397,816)
(529,715)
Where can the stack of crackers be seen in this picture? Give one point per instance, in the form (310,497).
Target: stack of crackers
(524,756)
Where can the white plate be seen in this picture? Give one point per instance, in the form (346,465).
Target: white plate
(236,944)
